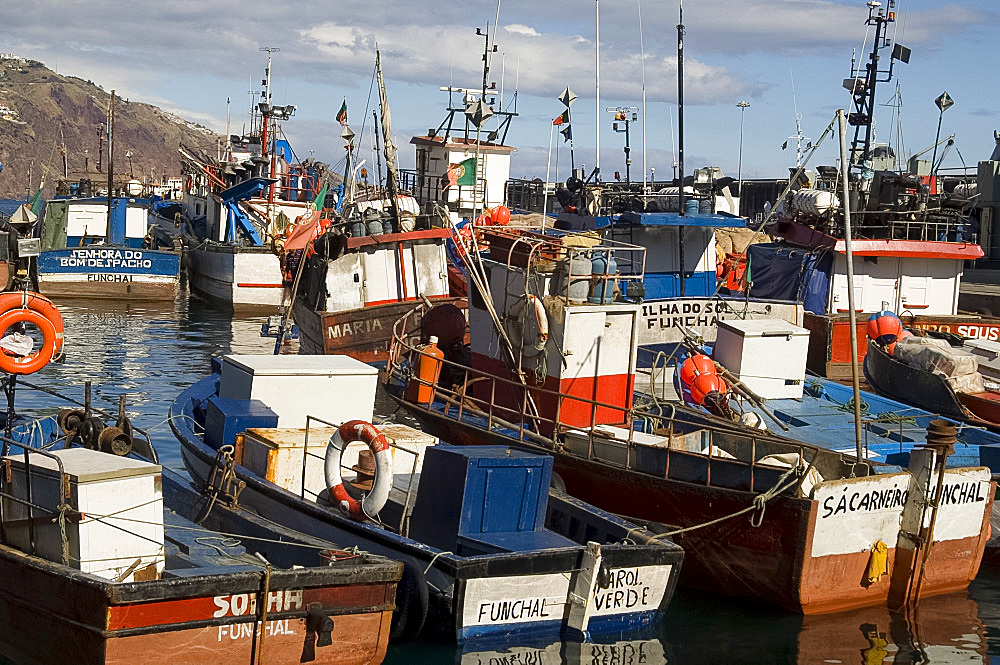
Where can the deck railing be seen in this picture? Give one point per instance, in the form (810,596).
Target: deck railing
(549,434)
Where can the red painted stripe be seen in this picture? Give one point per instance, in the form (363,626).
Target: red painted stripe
(372,303)
(923,249)
(166,612)
(574,405)
(251,285)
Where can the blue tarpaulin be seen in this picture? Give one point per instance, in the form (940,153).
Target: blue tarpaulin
(780,272)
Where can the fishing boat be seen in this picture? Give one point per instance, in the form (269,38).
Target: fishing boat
(912,227)
(99,247)
(117,558)
(366,268)
(96,248)
(489,551)
(934,373)
(237,208)
(551,372)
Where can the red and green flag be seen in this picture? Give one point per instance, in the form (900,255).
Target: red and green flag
(342,113)
(465,172)
(320,199)
(563,118)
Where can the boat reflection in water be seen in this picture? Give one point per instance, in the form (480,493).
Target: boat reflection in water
(627,649)
(942,629)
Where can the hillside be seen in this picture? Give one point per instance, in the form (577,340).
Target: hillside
(40,111)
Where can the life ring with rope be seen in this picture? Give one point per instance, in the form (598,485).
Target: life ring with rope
(349,432)
(22,307)
(533,344)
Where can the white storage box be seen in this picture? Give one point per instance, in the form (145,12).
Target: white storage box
(126,547)
(334,388)
(767,355)
(276,454)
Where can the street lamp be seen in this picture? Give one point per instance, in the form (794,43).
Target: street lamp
(742,105)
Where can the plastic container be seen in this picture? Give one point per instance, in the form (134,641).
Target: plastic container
(375,227)
(705,206)
(357,229)
(603,263)
(691,206)
(426,372)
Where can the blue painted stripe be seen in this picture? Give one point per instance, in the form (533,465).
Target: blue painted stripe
(109,259)
(598,625)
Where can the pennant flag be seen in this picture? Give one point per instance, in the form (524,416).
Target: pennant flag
(563,118)
(784,145)
(320,199)
(567,133)
(342,113)
(35,203)
(463,173)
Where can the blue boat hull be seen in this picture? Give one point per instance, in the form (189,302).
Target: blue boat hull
(447,589)
(106,271)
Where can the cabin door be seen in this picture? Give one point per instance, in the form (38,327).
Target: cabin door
(929,286)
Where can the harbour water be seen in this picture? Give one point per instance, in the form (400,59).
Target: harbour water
(151,353)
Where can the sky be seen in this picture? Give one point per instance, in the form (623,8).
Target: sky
(784,57)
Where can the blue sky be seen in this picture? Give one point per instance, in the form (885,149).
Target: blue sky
(188,56)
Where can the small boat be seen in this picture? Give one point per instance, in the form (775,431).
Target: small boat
(368,266)
(96,248)
(489,551)
(914,230)
(236,210)
(119,559)
(905,382)
(556,373)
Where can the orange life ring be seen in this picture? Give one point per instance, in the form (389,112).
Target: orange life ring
(33,362)
(349,432)
(36,302)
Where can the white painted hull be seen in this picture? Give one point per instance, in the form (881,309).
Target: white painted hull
(242,279)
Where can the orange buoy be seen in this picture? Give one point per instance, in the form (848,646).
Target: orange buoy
(704,384)
(32,362)
(694,366)
(883,328)
(501,215)
(38,303)
(420,390)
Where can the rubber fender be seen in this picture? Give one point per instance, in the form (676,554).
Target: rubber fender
(412,603)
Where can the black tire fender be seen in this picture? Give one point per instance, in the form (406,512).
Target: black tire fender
(412,603)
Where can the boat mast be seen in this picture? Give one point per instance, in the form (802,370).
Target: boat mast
(597,89)
(265,109)
(111,163)
(855,379)
(680,138)
(389,148)
(863,92)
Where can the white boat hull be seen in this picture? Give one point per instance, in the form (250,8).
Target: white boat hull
(243,278)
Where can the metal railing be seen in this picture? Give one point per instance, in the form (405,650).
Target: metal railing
(479,411)
(403,527)
(34,510)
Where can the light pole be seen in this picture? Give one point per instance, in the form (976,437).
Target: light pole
(742,105)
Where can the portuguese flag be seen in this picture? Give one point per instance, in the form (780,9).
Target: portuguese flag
(342,113)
